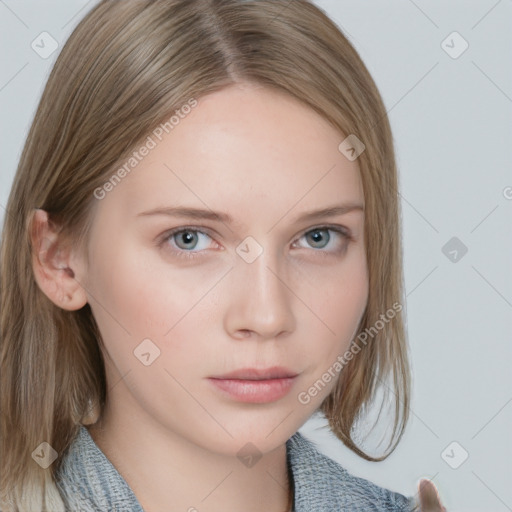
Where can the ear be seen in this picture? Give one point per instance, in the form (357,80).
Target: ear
(55,265)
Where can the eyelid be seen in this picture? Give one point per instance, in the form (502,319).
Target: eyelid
(341,230)
(199,229)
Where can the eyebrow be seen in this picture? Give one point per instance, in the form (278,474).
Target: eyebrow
(206,214)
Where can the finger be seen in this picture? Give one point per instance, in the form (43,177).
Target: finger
(429,497)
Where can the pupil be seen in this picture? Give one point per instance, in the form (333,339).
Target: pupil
(187,237)
(318,237)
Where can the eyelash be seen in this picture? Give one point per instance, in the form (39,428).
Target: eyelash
(189,255)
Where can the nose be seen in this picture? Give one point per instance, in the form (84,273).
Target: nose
(259,301)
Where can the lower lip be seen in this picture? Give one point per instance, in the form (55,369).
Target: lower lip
(254,391)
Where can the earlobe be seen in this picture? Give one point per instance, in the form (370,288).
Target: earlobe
(51,264)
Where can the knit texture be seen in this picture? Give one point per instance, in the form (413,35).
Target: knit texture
(88,482)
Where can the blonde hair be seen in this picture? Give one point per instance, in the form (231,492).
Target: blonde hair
(126,66)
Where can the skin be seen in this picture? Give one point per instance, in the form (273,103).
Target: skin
(263,158)
(429,497)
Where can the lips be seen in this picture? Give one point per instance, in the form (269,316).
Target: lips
(255,385)
(276,372)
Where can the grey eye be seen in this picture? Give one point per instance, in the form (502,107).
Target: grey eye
(318,238)
(188,238)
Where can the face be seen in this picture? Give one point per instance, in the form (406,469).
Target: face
(233,273)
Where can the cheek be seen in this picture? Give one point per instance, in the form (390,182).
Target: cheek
(339,300)
(336,296)
(142,292)
(345,303)
(338,289)
(143,296)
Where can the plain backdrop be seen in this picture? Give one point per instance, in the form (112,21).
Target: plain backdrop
(444,71)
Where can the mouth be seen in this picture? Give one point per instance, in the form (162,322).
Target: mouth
(275,372)
(254,385)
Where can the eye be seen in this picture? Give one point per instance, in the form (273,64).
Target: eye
(189,242)
(186,240)
(326,237)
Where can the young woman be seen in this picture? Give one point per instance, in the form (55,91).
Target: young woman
(201,249)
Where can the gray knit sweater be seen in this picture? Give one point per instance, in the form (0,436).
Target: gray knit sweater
(88,482)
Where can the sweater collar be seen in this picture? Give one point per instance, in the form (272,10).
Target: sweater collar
(88,475)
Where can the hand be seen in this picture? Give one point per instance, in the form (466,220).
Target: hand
(429,497)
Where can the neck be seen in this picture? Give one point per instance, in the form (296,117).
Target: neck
(165,469)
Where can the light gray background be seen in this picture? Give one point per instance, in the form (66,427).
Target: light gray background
(451,119)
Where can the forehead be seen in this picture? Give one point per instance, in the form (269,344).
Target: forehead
(247,149)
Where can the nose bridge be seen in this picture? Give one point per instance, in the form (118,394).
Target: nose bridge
(263,302)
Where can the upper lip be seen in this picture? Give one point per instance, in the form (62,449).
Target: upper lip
(276,372)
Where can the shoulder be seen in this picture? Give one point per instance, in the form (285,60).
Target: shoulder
(321,484)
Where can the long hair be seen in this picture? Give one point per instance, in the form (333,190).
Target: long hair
(124,69)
